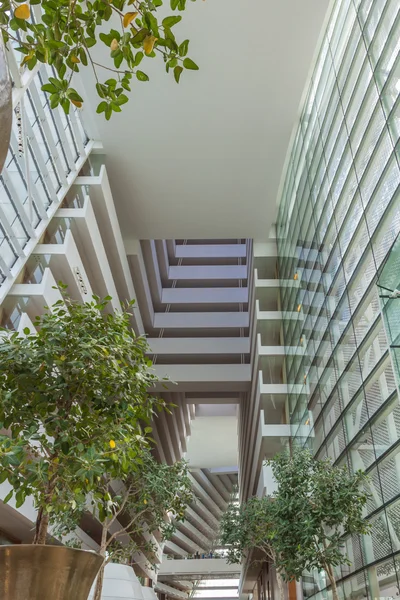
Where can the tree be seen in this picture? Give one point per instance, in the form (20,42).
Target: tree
(250,527)
(75,403)
(315,507)
(65,34)
(151,498)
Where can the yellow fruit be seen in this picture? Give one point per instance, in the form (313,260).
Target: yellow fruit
(77,103)
(145,501)
(75,59)
(22,12)
(148,43)
(112,444)
(128,18)
(114,45)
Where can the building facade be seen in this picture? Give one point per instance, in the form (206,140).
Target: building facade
(288,340)
(338,219)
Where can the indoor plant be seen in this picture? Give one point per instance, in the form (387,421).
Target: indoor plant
(248,531)
(73,400)
(67,31)
(303,524)
(330,501)
(150,499)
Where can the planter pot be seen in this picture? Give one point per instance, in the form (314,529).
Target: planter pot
(120,583)
(5,104)
(46,572)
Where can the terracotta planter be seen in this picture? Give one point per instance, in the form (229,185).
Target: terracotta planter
(5,105)
(46,572)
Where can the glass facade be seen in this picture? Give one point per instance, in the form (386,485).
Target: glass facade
(56,144)
(338,219)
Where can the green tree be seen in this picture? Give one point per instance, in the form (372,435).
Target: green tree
(248,530)
(151,498)
(68,30)
(316,506)
(75,403)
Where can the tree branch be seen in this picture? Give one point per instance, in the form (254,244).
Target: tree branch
(126,528)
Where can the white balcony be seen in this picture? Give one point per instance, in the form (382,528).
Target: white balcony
(195,320)
(193,378)
(65,262)
(208,272)
(185,346)
(169,591)
(201,566)
(210,250)
(91,248)
(39,294)
(211,295)
(106,217)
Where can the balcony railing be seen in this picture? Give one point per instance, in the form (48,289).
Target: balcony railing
(47,151)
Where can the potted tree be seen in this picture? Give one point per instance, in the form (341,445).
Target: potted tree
(63,34)
(248,531)
(316,506)
(303,525)
(74,400)
(151,499)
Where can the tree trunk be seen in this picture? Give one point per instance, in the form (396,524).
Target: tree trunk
(42,519)
(42,526)
(100,577)
(281,585)
(329,570)
(99,584)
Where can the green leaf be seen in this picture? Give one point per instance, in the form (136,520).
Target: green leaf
(118,59)
(171,21)
(73,95)
(177,73)
(48,87)
(152,23)
(122,99)
(189,64)
(184,48)
(112,83)
(108,112)
(8,497)
(139,37)
(142,76)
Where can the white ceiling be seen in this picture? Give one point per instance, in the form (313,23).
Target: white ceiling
(204,158)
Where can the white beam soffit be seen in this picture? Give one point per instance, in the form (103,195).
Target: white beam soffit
(217,159)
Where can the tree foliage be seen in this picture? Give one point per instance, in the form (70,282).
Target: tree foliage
(302,525)
(248,526)
(67,31)
(248,531)
(151,498)
(75,404)
(316,506)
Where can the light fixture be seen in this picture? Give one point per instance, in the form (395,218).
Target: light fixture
(296,276)
(299,308)
(307,422)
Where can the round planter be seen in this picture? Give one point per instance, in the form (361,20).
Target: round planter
(120,583)
(5,104)
(46,572)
